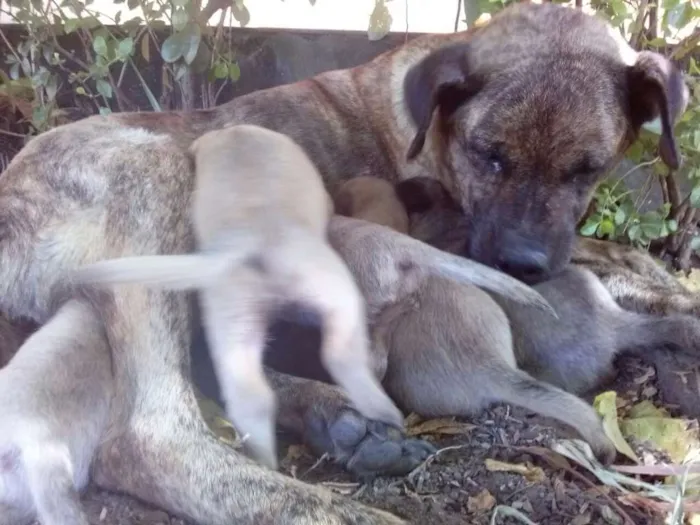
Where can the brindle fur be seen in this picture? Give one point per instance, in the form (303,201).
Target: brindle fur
(501,130)
(259,249)
(612,300)
(446,348)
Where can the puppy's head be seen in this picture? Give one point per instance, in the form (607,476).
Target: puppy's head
(526,116)
(435,217)
(371,199)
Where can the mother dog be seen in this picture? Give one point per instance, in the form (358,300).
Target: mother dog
(518,118)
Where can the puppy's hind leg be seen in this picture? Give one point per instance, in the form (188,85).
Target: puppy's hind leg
(519,388)
(331,289)
(236,326)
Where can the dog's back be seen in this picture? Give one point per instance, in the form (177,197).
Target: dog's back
(251,178)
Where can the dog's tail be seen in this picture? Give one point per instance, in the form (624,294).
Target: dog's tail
(467,271)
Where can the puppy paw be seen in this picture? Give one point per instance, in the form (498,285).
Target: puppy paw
(367,448)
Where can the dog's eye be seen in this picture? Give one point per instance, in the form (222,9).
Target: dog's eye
(495,164)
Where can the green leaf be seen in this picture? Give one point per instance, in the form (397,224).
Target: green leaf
(589,228)
(234,72)
(172,48)
(695,243)
(126,47)
(71,25)
(220,70)
(634,232)
(180,19)
(132,4)
(104,88)
(619,217)
(105,111)
(695,197)
(606,227)
(656,42)
(80,90)
(99,45)
(240,13)
(192,36)
(180,3)
(672,225)
(605,405)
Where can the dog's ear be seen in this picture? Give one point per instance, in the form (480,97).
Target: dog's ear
(420,194)
(656,89)
(441,80)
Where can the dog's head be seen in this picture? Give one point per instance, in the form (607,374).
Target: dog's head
(526,116)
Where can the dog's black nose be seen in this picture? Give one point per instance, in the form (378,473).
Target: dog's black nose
(525,260)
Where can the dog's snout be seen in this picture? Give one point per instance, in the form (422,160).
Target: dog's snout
(524,259)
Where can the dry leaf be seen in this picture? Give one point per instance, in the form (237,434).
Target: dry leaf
(528,471)
(412,420)
(482,502)
(646,422)
(444,426)
(295,452)
(605,405)
(691,281)
(581,519)
(609,516)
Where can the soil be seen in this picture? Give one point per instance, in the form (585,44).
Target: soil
(455,486)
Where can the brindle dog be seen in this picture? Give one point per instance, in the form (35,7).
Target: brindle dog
(518,118)
(612,300)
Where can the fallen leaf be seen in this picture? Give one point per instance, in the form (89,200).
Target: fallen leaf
(581,519)
(482,502)
(444,426)
(675,436)
(605,405)
(691,281)
(295,452)
(412,420)
(527,470)
(609,516)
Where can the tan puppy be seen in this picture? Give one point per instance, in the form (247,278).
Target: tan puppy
(54,400)
(260,214)
(359,198)
(445,348)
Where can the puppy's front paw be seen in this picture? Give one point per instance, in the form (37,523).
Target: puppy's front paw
(365,447)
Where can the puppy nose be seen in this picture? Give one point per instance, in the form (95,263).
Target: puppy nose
(525,260)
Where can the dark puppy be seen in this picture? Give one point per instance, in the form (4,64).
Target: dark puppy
(444,347)
(577,350)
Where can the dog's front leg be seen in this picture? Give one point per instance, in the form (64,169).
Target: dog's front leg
(159,449)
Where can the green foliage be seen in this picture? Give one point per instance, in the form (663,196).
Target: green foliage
(616,214)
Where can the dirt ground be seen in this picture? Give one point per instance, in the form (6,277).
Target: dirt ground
(456,487)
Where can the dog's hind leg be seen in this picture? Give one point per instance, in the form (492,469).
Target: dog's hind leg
(519,388)
(50,475)
(159,448)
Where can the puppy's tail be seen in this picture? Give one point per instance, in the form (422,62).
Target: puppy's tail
(170,272)
(467,271)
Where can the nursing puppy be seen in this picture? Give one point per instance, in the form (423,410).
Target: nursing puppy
(260,214)
(373,200)
(577,351)
(445,348)
(54,400)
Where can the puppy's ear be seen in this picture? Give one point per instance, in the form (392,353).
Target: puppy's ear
(441,80)
(419,194)
(656,89)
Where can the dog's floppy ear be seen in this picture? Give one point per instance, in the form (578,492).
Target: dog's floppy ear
(656,89)
(419,194)
(441,80)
